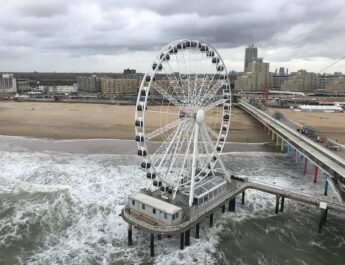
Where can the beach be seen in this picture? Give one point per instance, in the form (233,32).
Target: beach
(99,121)
(330,124)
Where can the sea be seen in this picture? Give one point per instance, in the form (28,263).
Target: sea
(60,203)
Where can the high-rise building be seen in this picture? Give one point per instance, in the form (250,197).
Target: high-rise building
(250,55)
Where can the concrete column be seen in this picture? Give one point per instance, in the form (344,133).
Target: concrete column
(223,208)
(326,185)
(305,165)
(277,204)
(197,229)
(152,245)
(243,196)
(232,204)
(289,150)
(273,135)
(211,219)
(282,145)
(316,170)
(296,155)
(159,237)
(277,140)
(182,241)
(323,217)
(187,237)
(130,240)
(282,204)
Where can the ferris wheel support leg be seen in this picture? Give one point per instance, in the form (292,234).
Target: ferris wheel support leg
(196,135)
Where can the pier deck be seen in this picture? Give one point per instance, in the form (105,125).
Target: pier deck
(233,191)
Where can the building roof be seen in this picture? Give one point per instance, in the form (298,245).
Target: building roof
(207,186)
(155,203)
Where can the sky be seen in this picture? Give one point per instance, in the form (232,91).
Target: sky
(110,35)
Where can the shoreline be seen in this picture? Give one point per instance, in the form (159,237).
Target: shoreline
(105,146)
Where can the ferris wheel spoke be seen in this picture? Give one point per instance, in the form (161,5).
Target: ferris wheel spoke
(211,94)
(163,129)
(169,147)
(208,138)
(211,131)
(166,95)
(178,147)
(185,158)
(213,105)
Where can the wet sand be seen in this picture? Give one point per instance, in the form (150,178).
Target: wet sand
(330,124)
(98,121)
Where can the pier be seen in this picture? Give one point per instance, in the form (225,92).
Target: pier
(288,138)
(234,188)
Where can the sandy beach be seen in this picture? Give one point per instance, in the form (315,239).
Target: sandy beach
(330,124)
(99,121)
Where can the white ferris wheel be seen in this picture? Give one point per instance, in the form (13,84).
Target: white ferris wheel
(182,117)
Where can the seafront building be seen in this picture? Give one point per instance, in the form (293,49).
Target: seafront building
(8,85)
(88,84)
(300,81)
(337,86)
(256,77)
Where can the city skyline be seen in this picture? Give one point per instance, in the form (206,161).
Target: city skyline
(107,36)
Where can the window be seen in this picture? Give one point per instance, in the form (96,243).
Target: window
(176,215)
(133,202)
(165,216)
(173,217)
(143,206)
(154,210)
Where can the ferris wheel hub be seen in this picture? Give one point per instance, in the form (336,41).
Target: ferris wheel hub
(200,115)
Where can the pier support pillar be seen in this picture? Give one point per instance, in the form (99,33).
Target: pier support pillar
(323,217)
(232,204)
(159,237)
(197,229)
(211,219)
(326,185)
(305,165)
(316,170)
(288,150)
(282,204)
(277,205)
(223,208)
(282,146)
(187,237)
(243,196)
(130,240)
(152,245)
(273,135)
(277,140)
(182,240)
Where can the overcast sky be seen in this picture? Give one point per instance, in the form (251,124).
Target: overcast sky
(109,35)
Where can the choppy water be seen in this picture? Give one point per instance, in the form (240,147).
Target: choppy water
(62,208)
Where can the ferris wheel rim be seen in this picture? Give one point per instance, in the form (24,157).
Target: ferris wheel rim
(153,73)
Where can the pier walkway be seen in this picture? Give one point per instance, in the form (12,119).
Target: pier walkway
(332,164)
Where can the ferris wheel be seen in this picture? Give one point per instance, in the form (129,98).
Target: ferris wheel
(182,117)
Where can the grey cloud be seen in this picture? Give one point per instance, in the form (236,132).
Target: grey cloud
(107,27)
